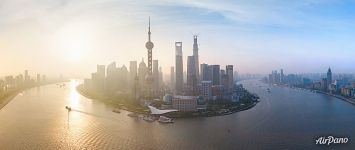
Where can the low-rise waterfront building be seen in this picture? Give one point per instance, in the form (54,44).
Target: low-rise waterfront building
(347,92)
(332,88)
(168,99)
(317,85)
(188,103)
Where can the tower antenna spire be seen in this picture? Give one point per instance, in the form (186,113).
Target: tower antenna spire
(149,30)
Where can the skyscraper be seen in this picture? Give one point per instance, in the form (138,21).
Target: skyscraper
(179,82)
(209,73)
(38,79)
(282,77)
(44,78)
(101,70)
(235,76)
(142,73)
(185,78)
(329,77)
(155,75)
(122,78)
(111,69)
(215,74)
(224,81)
(172,78)
(132,71)
(161,83)
(195,54)
(222,72)
(111,78)
(133,75)
(229,72)
(206,89)
(101,77)
(96,82)
(27,78)
(191,76)
(203,72)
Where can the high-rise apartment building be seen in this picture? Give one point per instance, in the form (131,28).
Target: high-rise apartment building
(132,72)
(155,75)
(229,72)
(191,76)
(215,74)
(204,72)
(172,78)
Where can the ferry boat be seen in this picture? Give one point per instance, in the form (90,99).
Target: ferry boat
(62,85)
(163,119)
(133,115)
(116,111)
(149,118)
(68,108)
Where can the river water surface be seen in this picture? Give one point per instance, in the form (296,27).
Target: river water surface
(283,119)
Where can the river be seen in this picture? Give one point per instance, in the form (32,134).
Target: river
(285,118)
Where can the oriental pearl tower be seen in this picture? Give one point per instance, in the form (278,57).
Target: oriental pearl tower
(149,78)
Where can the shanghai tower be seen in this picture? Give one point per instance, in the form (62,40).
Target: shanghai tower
(179,75)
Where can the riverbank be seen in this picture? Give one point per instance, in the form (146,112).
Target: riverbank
(6,98)
(337,96)
(120,103)
(136,108)
(351,101)
(221,112)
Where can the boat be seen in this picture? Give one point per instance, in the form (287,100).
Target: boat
(268,90)
(68,108)
(149,118)
(133,115)
(163,119)
(116,110)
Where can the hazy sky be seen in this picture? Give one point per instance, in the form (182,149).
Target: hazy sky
(72,36)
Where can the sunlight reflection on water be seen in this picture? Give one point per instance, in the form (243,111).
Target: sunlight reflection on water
(39,120)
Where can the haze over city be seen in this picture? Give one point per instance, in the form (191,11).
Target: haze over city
(70,37)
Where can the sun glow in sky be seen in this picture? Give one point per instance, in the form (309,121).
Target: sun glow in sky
(74,41)
(70,37)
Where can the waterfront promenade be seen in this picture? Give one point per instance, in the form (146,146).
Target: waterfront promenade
(349,100)
(7,97)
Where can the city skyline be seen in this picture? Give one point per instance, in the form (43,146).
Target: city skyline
(71,36)
(186,74)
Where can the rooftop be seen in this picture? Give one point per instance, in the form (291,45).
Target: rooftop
(156,111)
